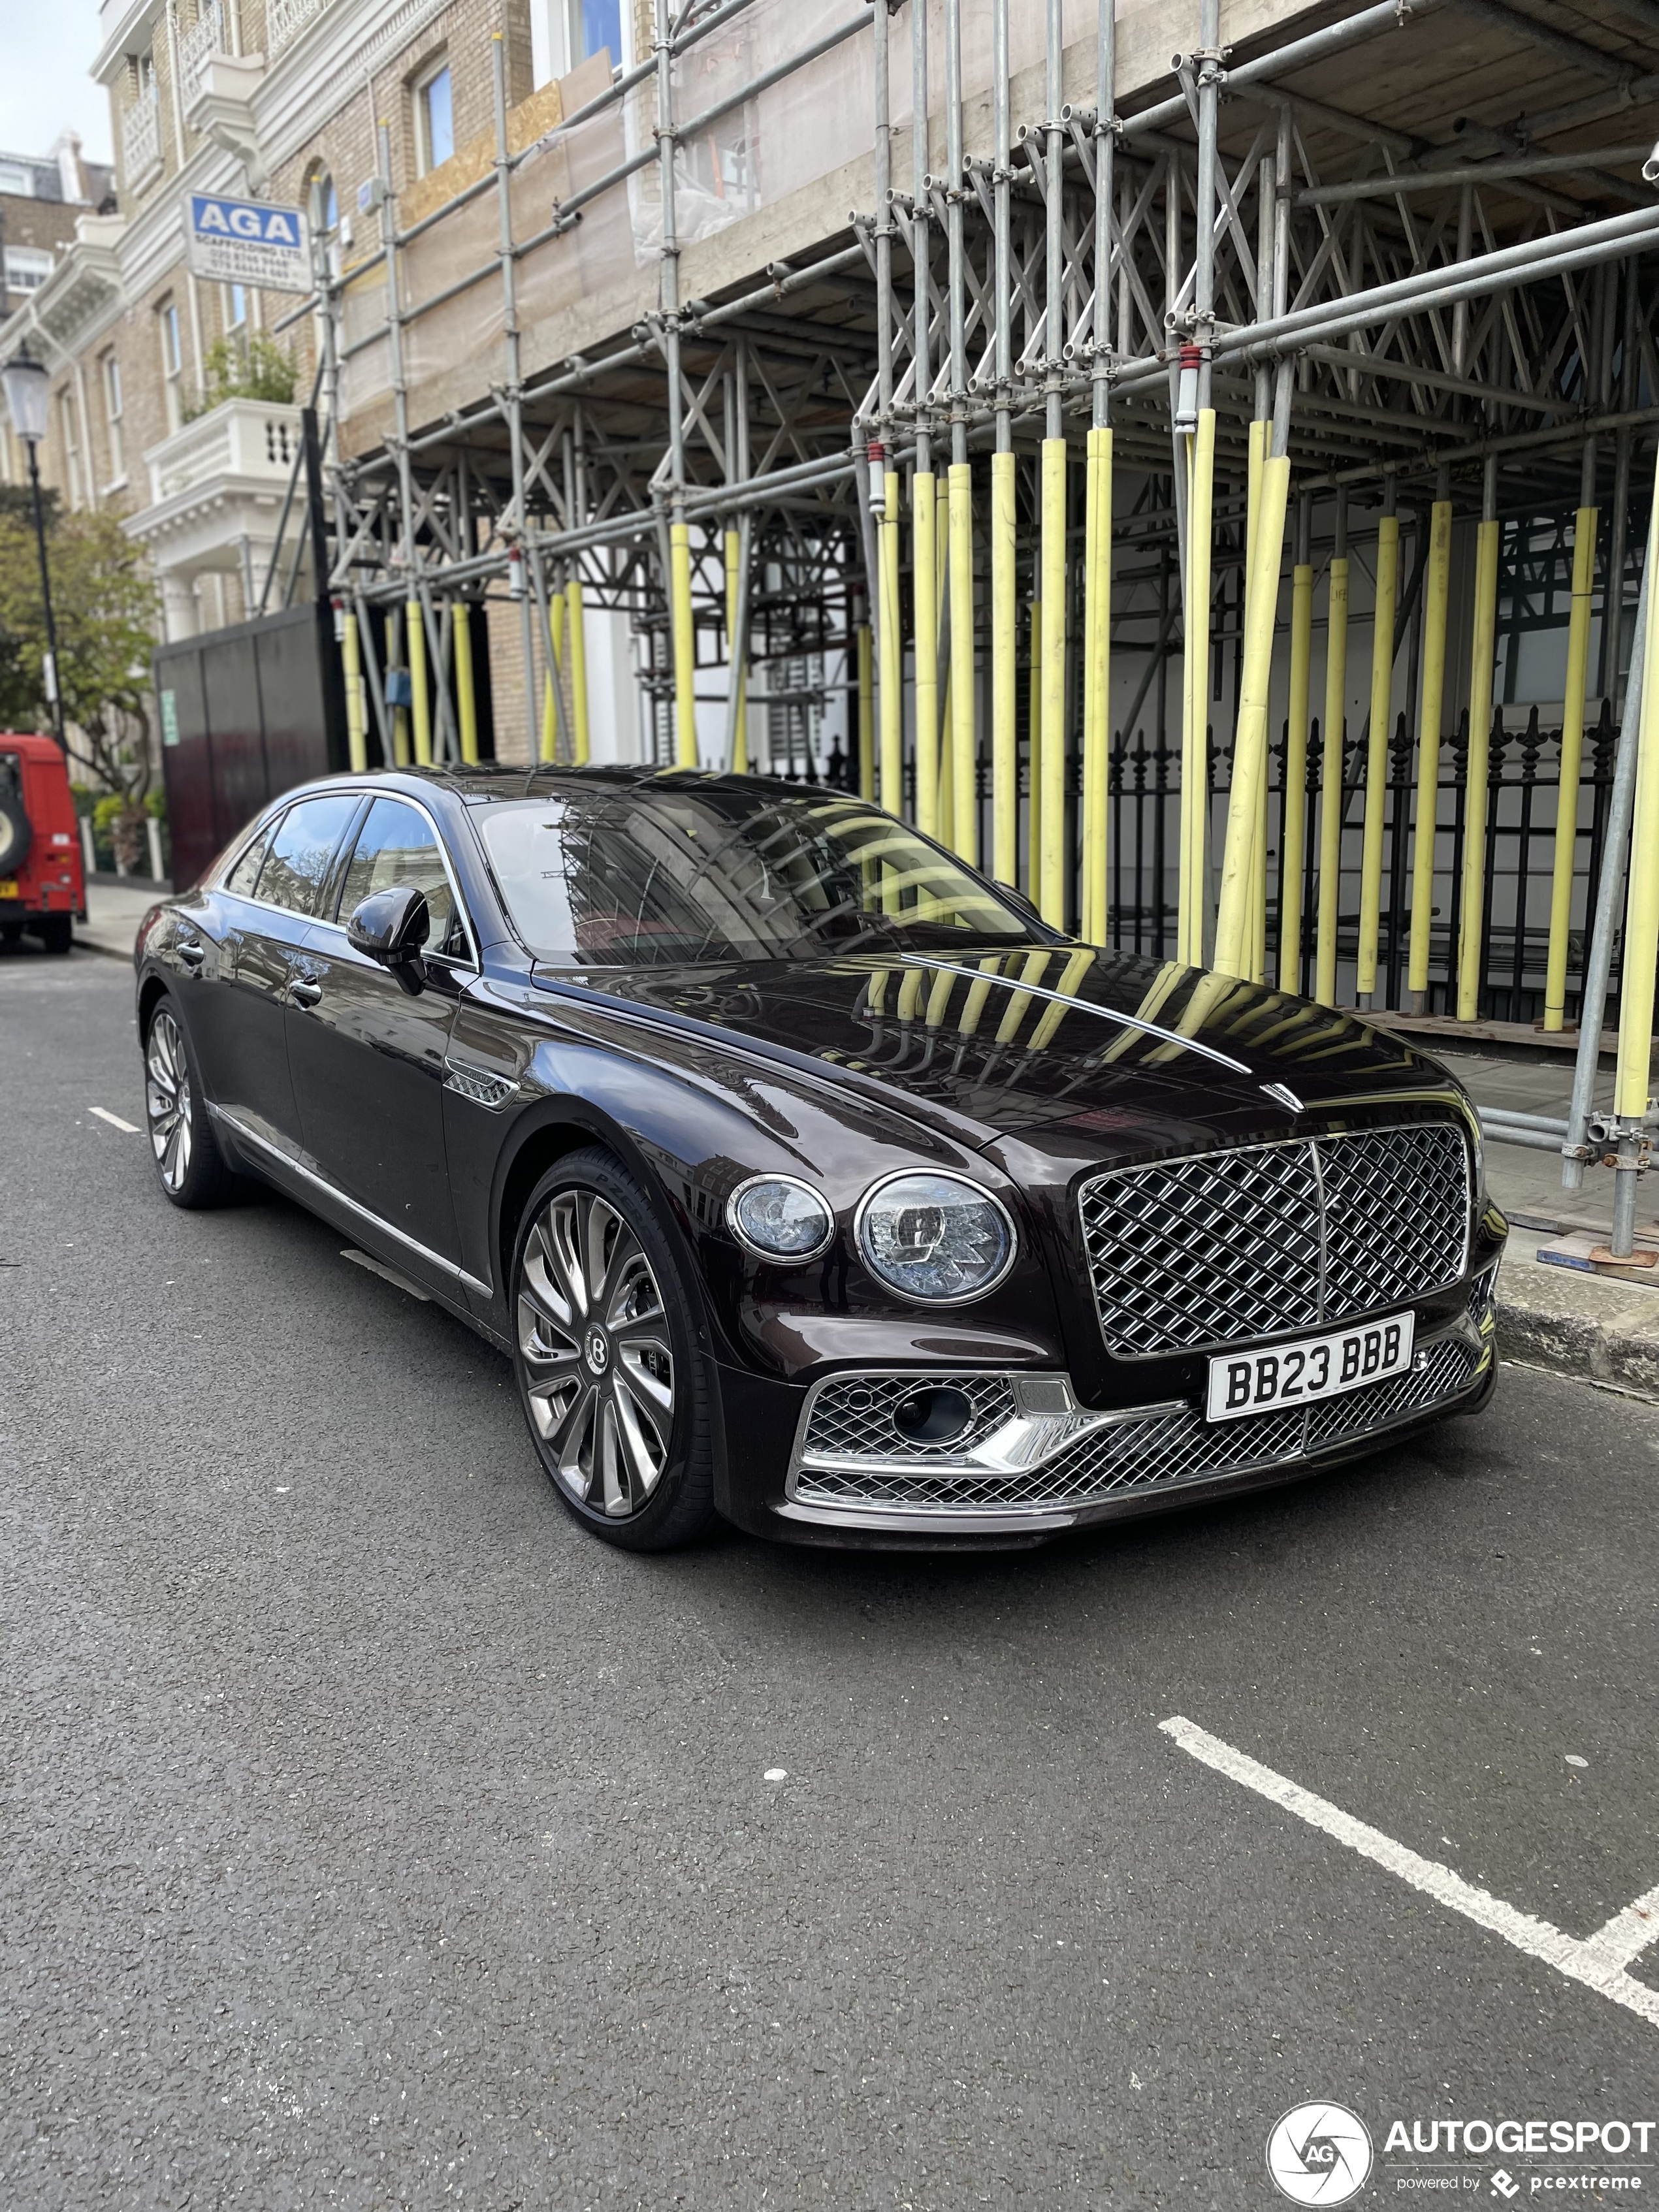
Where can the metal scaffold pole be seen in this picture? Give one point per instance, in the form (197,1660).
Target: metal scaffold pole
(1005,643)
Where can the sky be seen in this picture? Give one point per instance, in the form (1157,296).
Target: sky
(46,46)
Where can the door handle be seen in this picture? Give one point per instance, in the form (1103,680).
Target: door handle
(304,993)
(192,953)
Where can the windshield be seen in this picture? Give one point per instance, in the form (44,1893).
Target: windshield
(626,877)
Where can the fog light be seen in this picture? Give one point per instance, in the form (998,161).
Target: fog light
(933,1416)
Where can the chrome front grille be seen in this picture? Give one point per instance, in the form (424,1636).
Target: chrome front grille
(1159,1449)
(852,1415)
(1272,1240)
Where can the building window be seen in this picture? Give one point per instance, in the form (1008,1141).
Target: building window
(596,28)
(173,361)
(27,268)
(66,425)
(435,119)
(323,211)
(235,310)
(16,180)
(111,367)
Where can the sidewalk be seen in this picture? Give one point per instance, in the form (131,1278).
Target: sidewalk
(1577,1324)
(113,914)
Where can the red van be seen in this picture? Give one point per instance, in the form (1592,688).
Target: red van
(41,885)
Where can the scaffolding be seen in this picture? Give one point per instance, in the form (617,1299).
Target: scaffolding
(1134,375)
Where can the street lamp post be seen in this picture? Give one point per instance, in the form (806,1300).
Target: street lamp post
(27,383)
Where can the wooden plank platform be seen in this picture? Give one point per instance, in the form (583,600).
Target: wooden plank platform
(1493,1040)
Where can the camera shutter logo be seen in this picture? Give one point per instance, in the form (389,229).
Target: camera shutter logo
(1319,2154)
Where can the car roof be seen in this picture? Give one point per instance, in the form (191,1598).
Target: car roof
(31,745)
(496,780)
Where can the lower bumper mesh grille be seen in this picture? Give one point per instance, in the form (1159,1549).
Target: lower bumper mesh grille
(1160,1451)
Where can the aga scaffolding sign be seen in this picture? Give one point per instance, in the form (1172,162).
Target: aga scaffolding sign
(249,242)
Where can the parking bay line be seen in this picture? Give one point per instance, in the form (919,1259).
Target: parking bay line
(1598,1961)
(114,1120)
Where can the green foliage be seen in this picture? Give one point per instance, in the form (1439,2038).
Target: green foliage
(254,367)
(106,608)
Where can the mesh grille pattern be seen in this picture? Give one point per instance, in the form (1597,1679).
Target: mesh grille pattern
(1396,1216)
(852,1415)
(1226,1247)
(1160,1452)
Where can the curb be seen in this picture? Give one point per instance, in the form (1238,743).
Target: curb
(1579,1326)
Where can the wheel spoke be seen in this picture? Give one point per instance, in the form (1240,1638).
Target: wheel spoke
(600,1249)
(575,1445)
(562,1239)
(637,1439)
(647,1367)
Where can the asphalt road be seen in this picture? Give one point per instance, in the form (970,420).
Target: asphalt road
(372,1837)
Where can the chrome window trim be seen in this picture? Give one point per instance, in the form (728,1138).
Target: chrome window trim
(332,1192)
(759,1251)
(319,921)
(911,1298)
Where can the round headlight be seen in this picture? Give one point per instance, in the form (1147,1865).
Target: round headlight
(776,1218)
(935,1237)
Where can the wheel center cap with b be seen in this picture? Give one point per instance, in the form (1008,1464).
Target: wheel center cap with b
(597,1350)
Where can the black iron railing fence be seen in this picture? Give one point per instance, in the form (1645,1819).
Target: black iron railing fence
(1523,781)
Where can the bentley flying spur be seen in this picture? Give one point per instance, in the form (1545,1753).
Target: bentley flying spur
(807,1177)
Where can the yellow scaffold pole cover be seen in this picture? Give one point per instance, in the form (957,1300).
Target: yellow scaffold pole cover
(685,647)
(1641,946)
(965,792)
(892,667)
(1293,834)
(421,704)
(1437,586)
(1376,752)
(1004,652)
(356,723)
(1195,698)
(1235,920)
(466,696)
(1034,762)
(1481,654)
(554,676)
(735,673)
(1096,682)
(1255,951)
(924,511)
(1052,869)
(1330,781)
(867,712)
(577,670)
(1573,748)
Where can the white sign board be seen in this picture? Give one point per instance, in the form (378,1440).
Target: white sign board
(249,242)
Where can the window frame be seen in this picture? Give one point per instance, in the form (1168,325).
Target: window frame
(335,881)
(170,338)
(426,157)
(109,365)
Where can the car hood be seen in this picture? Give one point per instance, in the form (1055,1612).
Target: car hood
(1078,1055)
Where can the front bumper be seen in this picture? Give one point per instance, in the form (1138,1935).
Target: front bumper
(1033,1463)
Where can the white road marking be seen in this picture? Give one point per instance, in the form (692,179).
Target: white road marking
(1598,1962)
(114,1120)
(776,1774)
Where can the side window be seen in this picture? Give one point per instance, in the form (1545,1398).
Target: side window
(297,864)
(397,846)
(245,873)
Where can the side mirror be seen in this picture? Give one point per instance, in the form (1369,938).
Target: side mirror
(390,926)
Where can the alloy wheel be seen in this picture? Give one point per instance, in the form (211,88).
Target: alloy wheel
(167,1100)
(594,1338)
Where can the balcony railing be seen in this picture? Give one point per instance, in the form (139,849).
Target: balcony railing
(141,140)
(206,35)
(285,20)
(252,440)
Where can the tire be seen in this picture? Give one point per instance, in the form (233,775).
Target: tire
(57,932)
(613,1392)
(189,1165)
(16,831)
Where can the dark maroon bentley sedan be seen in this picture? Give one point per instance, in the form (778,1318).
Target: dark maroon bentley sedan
(807,1177)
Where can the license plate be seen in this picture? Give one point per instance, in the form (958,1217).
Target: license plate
(9,888)
(1313,1367)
